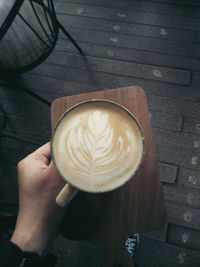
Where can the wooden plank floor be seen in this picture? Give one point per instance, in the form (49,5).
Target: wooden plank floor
(154,44)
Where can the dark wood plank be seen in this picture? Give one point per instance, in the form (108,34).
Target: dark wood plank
(166,255)
(166,120)
(183,237)
(195,78)
(87,253)
(184,216)
(131,55)
(198,36)
(12,151)
(128,15)
(123,68)
(49,86)
(136,42)
(182,196)
(191,125)
(183,2)
(44,78)
(157,103)
(179,157)
(97,24)
(38,125)
(158,119)
(187,142)
(16,101)
(168,173)
(27,127)
(173,105)
(173,8)
(157,235)
(146,263)
(189,178)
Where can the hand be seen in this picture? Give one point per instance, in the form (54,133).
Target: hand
(39,215)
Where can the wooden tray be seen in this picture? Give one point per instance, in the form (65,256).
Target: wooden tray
(134,208)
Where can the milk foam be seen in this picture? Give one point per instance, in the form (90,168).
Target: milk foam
(97,147)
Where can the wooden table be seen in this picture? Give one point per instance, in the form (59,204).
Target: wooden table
(136,207)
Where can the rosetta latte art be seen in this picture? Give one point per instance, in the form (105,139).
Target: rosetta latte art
(98,149)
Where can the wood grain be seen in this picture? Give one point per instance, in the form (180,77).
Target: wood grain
(134,208)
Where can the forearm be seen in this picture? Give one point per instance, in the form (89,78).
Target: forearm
(39,215)
(33,235)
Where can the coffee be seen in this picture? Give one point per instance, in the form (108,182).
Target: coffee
(97,146)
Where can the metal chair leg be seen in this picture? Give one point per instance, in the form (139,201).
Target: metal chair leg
(69,36)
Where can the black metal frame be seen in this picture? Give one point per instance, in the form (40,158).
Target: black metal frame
(12,207)
(61,27)
(14,11)
(9,19)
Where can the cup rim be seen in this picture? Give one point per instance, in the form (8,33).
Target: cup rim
(99,101)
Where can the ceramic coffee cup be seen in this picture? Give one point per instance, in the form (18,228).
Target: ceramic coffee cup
(97,146)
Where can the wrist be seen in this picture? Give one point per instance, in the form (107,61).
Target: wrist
(31,237)
(12,255)
(34,230)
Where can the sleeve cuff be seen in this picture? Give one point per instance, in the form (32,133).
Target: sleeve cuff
(12,256)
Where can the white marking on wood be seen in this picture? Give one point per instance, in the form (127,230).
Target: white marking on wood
(181,257)
(194,160)
(108,66)
(114,39)
(163,32)
(187,216)
(190,197)
(121,15)
(80,10)
(116,28)
(192,179)
(150,115)
(157,73)
(185,237)
(110,53)
(196,144)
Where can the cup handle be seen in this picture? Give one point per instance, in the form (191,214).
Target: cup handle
(66,195)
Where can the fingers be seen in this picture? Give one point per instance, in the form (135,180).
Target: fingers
(44,150)
(42,154)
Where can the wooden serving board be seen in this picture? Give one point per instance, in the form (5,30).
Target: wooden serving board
(137,206)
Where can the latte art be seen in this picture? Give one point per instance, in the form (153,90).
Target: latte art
(92,150)
(97,147)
